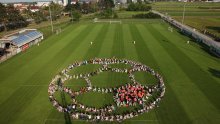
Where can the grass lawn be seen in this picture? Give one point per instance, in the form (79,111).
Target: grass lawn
(192,76)
(203,23)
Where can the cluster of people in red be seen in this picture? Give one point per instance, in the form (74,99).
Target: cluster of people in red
(130,95)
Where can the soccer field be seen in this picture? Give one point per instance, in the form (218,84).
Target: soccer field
(191,75)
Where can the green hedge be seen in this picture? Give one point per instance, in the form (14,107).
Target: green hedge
(149,15)
(138,7)
(106,14)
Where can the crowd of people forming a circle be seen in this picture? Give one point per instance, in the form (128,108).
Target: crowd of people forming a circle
(130,94)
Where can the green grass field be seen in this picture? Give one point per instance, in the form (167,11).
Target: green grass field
(199,15)
(192,76)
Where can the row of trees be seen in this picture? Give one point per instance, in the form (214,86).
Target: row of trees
(91,6)
(149,15)
(103,9)
(84,8)
(10,18)
(44,14)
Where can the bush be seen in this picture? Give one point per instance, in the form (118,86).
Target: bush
(76,15)
(149,15)
(106,14)
(115,15)
(15,25)
(138,7)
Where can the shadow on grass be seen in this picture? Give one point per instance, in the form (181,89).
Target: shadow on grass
(66,115)
(165,41)
(215,72)
(203,46)
(64,103)
(216,28)
(192,70)
(206,49)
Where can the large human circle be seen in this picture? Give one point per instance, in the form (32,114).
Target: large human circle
(131,94)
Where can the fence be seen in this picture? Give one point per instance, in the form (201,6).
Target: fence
(107,21)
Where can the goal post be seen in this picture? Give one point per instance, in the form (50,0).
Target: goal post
(115,21)
(107,21)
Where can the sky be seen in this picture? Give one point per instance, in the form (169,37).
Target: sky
(9,1)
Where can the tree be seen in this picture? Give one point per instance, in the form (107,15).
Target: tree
(13,14)
(3,15)
(139,1)
(77,6)
(76,15)
(27,13)
(129,1)
(138,7)
(131,7)
(68,7)
(40,16)
(11,18)
(85,8)
(92,7)
(56,10)
(149,15)
(106,4)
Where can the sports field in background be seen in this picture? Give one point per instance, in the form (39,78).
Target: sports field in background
(192,76)
(199,15)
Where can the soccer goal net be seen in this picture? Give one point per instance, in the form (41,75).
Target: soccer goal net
(107,21)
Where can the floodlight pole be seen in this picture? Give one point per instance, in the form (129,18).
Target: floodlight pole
(112,13)
(72,15)
(184,9)
(51,21)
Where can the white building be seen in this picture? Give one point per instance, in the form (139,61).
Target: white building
(65,2)
(43,3)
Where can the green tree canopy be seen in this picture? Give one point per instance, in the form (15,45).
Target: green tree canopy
(106,4)
(76,15)
(10,17)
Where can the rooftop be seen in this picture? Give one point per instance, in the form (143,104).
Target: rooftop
(22,37)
